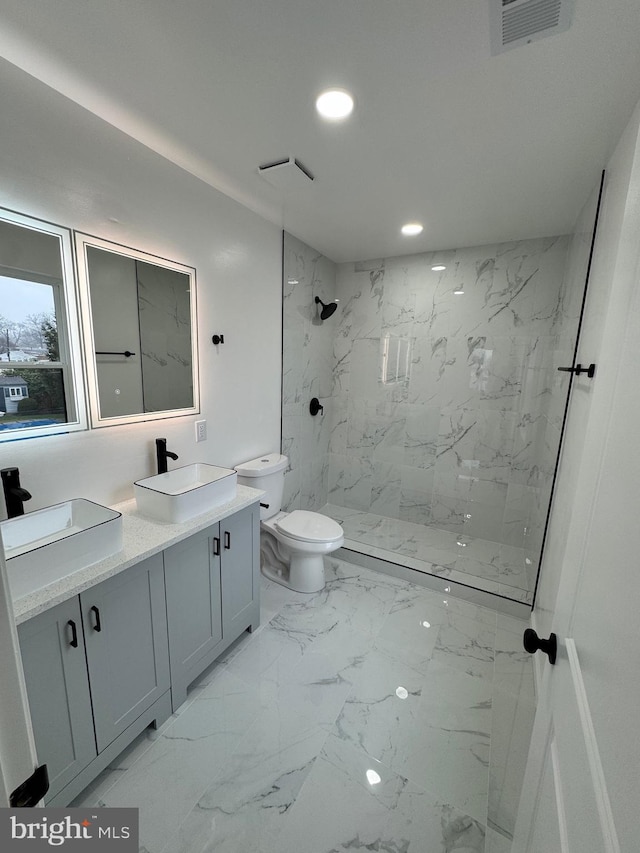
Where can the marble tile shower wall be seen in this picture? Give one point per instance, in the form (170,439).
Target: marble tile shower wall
(443,402)
(307,372)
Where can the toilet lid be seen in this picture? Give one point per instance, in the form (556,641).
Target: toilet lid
(309,527)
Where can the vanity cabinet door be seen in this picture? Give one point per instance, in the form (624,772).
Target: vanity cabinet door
(53,658)
(240,535)
(194,616)
(126,639)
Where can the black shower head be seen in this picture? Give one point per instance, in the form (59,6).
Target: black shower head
(327,310)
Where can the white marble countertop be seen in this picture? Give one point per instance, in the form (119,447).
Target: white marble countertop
(142,537)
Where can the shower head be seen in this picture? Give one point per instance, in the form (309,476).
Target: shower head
(327,310)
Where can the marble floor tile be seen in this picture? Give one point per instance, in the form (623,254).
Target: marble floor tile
(382,708)
(371,808)
(374,715)
(410,630)
(512,725)
(432,728)
(485,564)
(449,752)
(466,644)
(245,807)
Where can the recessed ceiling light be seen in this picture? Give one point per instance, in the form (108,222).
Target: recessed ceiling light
(438,268)
(334,104)
(411,229)
(459,293)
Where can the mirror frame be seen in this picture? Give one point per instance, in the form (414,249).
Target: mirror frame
(69,342)
(82,243)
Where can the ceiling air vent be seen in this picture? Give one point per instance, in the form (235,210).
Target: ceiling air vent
(286,174)
(517,22)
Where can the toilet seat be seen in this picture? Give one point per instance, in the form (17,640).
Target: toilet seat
(305,526)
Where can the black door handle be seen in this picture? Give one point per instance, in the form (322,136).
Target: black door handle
(98,625)
(532,643)
(227,540)
(216,546)
(579,369)
(74,634)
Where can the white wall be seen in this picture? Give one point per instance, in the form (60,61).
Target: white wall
(62,164)
(611,283)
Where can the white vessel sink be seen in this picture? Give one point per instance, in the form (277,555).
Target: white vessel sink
(48,544)
(185,492)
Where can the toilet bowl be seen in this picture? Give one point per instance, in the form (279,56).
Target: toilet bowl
(292,544)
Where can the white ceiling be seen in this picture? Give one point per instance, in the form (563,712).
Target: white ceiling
(480,149)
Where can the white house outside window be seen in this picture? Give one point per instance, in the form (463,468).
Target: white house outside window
(40,361)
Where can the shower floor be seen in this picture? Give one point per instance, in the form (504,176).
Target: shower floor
(480,563)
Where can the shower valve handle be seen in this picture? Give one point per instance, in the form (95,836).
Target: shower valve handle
(315,407)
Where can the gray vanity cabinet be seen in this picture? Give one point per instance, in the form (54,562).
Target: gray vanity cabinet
(240,542)
(212,592)
(93,666)
(125,627)
(55,669)
(99,667)
(194,608)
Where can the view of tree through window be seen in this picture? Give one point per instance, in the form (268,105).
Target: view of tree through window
(32,391)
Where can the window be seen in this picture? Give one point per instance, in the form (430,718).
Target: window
(40,366)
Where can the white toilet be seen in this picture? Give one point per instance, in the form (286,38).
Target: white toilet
(292,544)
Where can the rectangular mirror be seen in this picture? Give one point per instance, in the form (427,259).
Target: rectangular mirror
(41,389)
(140,333)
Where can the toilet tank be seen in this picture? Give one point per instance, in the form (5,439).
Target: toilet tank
(266,473)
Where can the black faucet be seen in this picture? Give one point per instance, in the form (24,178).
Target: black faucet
(14,494)
(162,454)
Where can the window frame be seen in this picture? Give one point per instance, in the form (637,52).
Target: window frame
(65,296)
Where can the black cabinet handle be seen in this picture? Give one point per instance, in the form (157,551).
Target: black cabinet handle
(265,506)
(533,643)
(74,634)
(227,540)
(216,546)
(98,625)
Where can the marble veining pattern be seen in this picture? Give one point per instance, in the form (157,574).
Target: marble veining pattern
(362,717)
(468,431)
(492,566)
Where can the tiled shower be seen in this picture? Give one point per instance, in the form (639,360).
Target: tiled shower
(442,401)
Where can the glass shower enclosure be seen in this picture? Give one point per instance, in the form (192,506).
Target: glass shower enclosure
(442,400)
